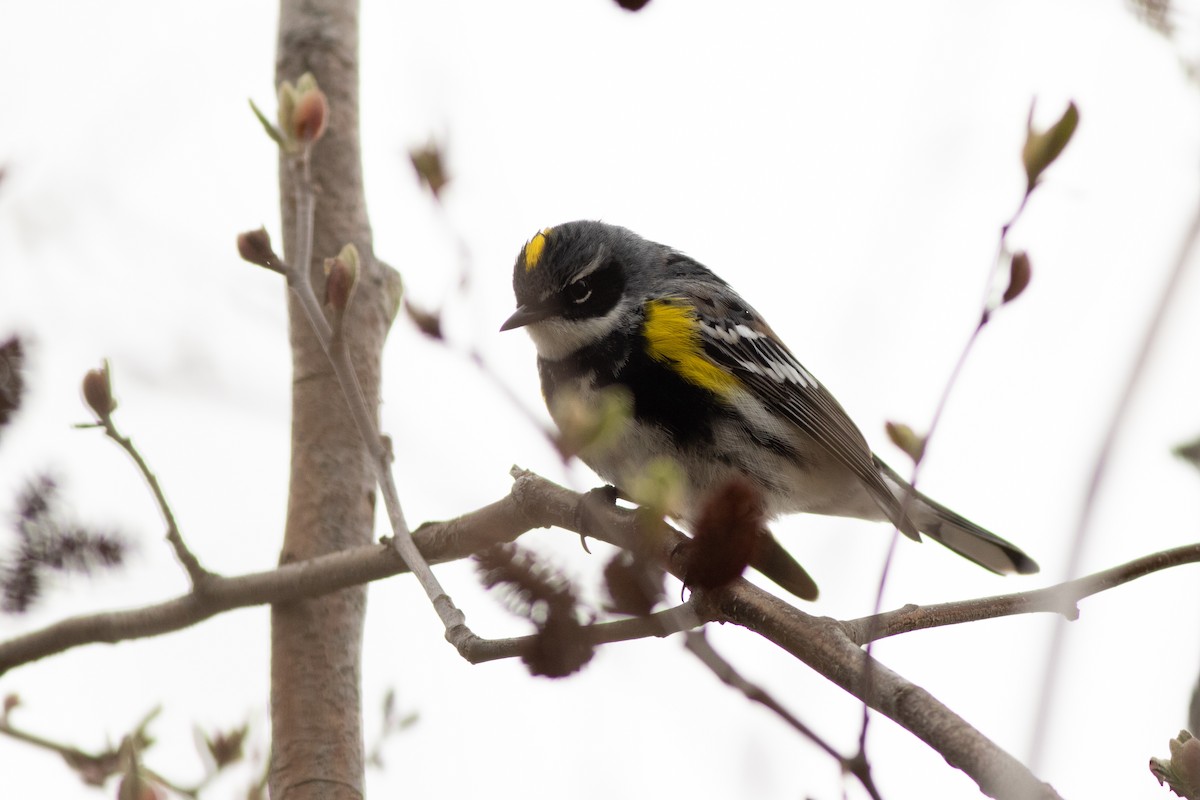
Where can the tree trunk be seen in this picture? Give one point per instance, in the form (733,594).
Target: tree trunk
(317,743)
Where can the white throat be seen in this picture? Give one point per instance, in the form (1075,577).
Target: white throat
(555,339)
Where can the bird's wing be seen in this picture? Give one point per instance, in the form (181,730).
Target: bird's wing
(737,339)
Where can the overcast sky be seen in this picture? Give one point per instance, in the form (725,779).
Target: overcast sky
(846,167)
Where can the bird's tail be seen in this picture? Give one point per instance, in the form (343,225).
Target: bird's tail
(957,532)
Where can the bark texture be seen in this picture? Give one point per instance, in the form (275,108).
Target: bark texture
(317,749)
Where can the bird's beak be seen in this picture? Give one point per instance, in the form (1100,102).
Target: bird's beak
(527,314)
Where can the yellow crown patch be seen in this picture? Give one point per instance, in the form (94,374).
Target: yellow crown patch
(534,248)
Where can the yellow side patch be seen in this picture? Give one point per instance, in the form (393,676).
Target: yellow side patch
(673,336)
(534,248)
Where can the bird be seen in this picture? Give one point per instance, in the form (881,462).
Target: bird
(711,387)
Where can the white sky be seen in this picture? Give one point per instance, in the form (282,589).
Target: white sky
(846,167)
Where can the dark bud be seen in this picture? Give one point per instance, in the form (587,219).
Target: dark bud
(1019,273)
(226,748)
(1042,148)
(427,322)
(634,585)
(135,786)
(12,378)
(255,247)
(302,114)
(1190,452)
(559,649)
(341,278)
(543,596)
(725,536)
(430,167)
(632,5)
(310,116)
(97,391)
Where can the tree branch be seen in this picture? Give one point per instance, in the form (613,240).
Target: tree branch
(660,624)
(1061,599)
(830,647)
(440,542)
(822,644)
(697,644)
(1170,291)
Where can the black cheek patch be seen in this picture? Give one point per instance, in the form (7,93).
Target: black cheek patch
(607,283)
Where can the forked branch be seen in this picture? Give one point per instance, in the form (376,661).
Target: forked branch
(830,647)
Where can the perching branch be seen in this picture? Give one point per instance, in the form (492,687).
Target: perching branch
(504,520)
(830,647)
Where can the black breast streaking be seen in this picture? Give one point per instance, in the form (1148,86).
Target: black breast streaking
(660,396)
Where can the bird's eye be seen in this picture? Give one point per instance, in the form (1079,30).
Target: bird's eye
(579,291)
(593,291)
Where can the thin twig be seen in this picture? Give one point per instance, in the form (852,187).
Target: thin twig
(988,307)
(533,502)
(697,644)
(503,520)
(72,755)
(380,457)
(821,643)
(1062,599)
(828,646)
(660,624)
(197,574)
(1051,671)
(95,768)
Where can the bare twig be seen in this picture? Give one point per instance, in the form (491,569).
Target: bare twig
(830,647)
(697,643)
(300,283)
(691,616)
(987,307)
(99,765)
(1059,599)
(822,644)
(95,769)
(659,624)
(504,520)
(1041,149)
(98,396)
(197,574)
(1051,671)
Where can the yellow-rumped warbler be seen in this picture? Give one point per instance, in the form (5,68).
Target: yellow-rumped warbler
(712,387)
